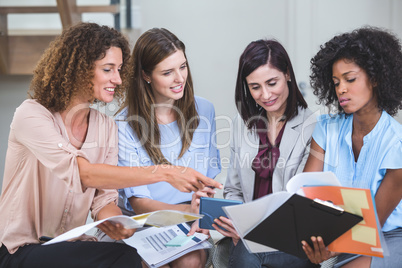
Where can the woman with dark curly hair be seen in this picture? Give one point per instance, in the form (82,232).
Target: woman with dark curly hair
(62,155)
(360,75)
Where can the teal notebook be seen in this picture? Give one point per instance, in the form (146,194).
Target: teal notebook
(211,208)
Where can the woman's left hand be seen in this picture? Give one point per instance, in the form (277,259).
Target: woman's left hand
(116,231)
(196,228)
(320,252)
(223,222)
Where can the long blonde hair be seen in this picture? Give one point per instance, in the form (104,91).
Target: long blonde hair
(151,48)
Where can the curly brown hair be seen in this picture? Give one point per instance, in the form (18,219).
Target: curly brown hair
(66,68)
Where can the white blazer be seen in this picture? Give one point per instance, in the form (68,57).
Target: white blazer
(294,150)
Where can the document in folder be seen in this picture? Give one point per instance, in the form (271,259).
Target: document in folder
(365,237)
(295,219)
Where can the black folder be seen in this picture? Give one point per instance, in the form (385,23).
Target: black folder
(298,219)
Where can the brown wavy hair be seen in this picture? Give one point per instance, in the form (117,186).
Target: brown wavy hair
(151,48)
(66,68)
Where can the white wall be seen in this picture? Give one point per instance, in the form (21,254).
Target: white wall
(215,34)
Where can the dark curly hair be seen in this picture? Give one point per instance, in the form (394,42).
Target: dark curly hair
(376,51)
(66,68)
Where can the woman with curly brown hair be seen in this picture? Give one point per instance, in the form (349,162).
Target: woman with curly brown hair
(360,75)
(62,155)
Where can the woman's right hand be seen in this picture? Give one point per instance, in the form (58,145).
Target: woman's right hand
(195,200)
(186,179)
(223,222)
(319,252)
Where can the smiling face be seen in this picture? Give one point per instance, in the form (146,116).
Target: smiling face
(268,87)
(168,78)
(353,87)
(107,74)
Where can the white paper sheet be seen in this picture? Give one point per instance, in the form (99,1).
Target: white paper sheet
(246,216)
(126,221)
(156,218)
(150,244)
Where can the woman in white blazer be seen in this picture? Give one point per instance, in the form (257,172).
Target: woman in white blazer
(244,146)
(269,143)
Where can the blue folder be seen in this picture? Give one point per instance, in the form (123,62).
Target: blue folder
(211,208)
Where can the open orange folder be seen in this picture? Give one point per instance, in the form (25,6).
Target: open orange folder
(364,237)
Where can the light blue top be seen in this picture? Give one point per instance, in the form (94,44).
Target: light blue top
(202,154)
(382,150)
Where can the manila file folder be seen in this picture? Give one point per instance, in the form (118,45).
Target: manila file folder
(298,219)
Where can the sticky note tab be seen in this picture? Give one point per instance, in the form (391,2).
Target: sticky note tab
(179,241)
(364,234)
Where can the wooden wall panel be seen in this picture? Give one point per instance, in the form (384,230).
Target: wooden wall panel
(25,51)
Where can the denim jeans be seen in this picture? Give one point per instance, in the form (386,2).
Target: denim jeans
(241,258)
(393,240)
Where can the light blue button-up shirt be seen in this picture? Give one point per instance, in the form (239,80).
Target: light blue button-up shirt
(202,154)
(382,150)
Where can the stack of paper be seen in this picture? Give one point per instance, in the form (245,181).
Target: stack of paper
(151,244)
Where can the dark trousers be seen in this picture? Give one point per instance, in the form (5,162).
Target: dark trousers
(240,258)
(72,255)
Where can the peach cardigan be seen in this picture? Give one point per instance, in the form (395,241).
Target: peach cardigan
(42,194)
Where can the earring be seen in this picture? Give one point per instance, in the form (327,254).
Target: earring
(149,82)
